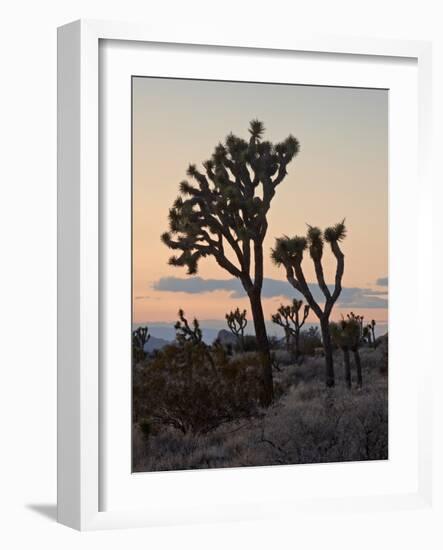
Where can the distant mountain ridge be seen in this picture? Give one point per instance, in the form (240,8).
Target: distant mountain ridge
(164,333)
(155,344)
(226,338)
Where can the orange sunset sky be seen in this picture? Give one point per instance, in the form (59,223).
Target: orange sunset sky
(340,172)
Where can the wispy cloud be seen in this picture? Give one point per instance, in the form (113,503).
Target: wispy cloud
(272,288)
(382,281)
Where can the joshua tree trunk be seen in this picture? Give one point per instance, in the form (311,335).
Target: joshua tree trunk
(288,340)
(358,365)
(263,345)
(347,367)
(297,345)
(327,346)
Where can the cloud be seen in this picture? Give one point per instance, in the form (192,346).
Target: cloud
(272,288)
(197,285)
(382,281)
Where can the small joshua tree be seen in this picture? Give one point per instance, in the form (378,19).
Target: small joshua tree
(140,337)
(224,215)
(288,252)
(341,340)
(370,330)
(347,336)
(237,323)
(190,340)
(359,320)
(185,333)
(288,317)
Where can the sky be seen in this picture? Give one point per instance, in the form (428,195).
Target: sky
(340,172)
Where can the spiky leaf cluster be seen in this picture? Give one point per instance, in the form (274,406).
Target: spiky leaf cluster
(226,203)
(315,242)
(336,233)
(288,250)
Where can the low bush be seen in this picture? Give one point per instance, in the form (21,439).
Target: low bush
(194,388)
(310,340)
(249,344)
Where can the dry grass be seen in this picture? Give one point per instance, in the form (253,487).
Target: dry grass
(307,424)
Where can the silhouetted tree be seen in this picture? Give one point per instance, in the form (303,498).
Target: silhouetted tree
(289,253)
(346,334)
(140,337)
(310,340)
(288,317)
(341,340)
(237,323)
(359,320)
(190,340)
(370,330)
(185,333)
(224,215)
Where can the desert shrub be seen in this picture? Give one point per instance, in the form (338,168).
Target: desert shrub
(310,370)
(376,359)
(310,340)
(283,357)
(274,342)
(249,343)
(383,348)
(307,425)
(195,389)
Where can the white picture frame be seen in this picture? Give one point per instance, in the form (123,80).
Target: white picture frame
(80,437)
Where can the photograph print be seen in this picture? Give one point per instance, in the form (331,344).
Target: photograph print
(259,274)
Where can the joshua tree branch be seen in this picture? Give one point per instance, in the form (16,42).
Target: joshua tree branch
(258,272)
(222,227)
(340,257)
(321,278)
(281,174)
(304,288)
(305,316)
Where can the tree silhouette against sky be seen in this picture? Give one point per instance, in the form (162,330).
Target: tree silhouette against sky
(223,214)
(289,318)
(237,322)
(289,253)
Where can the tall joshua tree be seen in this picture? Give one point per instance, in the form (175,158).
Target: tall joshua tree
(288,252)
(237,323)
(223,214)
(289,318)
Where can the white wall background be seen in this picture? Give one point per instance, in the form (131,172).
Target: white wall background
(28,264)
